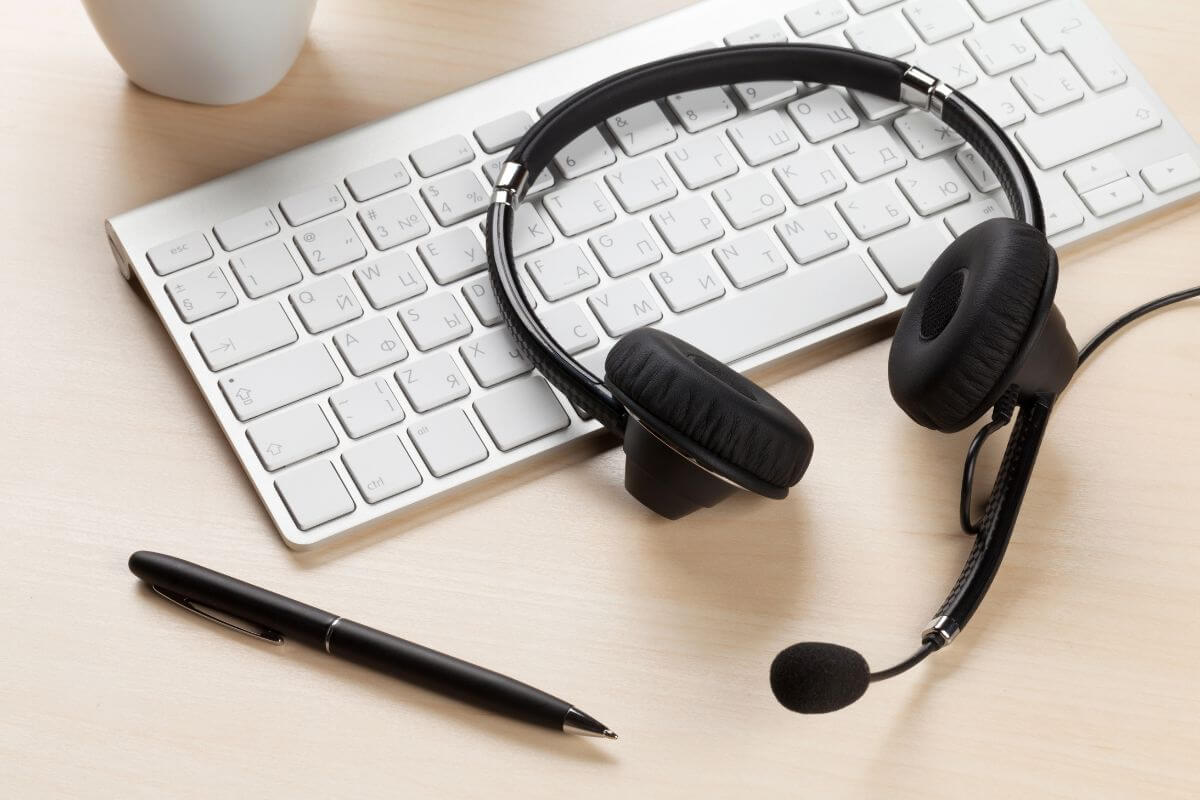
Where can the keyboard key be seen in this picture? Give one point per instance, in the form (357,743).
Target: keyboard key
(1163,176)
(520,413)
(494,358)
(329,245)
(641,184)
(781,309)
(623,306)
(491,171)
(432,382)
(451,152)
(963,218)
(625,247)
(393,221)
(884,35)
(200,293)
(749,200)
(1048,85)
(568,326)
(482,300)
(1061,209)
(870,153)
(641,128)
(1001,47)
(823,115)
(381,178)
(1096,65)
(453,255)
(366,407)
(277,380)
(977,170)
(178,253)
(950,64)
(766,32)
(588,152)
(289,436)
(876,108)
(265,268)
(370,345)
(1056,26)
(749,259)
(873,212)
(687,224)
(243,334)
(764,137)
(816,16)
(320,201)
(926,135)
(992,10)
(1001,102)
(579,208)
(811,234)
(867,6)
(435,320)
(809,177)
(701,161)
(908,255)
(702,108)
(381,468)
(325,304)
(1113,197)
(938,20)
(530,231)
(314,494)
(246,228)
(447,442)
(455,197)
(504,132)
(933,187)
(562,272)
(1092,126)
(390,279)
(687,282)
(1092,173)
(760,94)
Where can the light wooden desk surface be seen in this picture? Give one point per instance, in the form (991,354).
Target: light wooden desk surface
(1077,679)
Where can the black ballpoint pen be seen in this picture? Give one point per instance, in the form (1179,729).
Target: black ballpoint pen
(197,589)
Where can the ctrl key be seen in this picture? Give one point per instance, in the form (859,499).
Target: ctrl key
(381,468)
(314,494)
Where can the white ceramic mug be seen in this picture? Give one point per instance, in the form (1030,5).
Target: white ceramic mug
(204,51)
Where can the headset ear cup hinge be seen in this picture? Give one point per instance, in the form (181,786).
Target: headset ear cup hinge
(1002,414)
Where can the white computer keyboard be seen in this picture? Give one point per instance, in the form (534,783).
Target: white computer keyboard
(333,303)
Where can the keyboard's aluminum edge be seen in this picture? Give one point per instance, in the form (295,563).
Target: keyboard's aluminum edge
(134,232)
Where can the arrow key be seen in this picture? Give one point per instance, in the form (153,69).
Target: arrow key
(1114,197)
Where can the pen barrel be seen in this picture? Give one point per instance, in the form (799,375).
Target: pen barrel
(445,674)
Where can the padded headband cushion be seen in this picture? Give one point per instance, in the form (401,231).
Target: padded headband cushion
(711,405)
(967,321)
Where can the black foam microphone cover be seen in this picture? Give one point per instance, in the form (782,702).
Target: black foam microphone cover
(816,677)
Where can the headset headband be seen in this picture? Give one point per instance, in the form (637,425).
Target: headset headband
(837,66)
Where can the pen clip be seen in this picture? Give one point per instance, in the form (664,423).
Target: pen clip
(265,634)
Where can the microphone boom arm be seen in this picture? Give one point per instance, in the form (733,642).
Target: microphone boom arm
(996,527)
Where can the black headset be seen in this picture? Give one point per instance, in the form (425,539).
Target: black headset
(980,333)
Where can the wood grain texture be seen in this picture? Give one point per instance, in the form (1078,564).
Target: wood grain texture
(1077,680)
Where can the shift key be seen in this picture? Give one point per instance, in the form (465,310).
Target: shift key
(1055,140)
(278,380)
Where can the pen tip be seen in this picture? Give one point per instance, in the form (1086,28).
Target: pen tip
(610,734)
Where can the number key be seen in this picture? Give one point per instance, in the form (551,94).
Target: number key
(393,221)
(330,244)
(455,197)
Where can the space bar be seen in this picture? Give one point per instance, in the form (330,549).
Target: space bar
(778,310)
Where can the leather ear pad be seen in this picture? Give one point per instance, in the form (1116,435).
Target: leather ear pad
(955,348)
(710,405)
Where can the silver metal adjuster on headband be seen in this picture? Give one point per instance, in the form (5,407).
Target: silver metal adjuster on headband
(921,90)
(943,628)
(511,183)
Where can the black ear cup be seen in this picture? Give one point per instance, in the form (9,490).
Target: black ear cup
(970,323)
(697,405)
